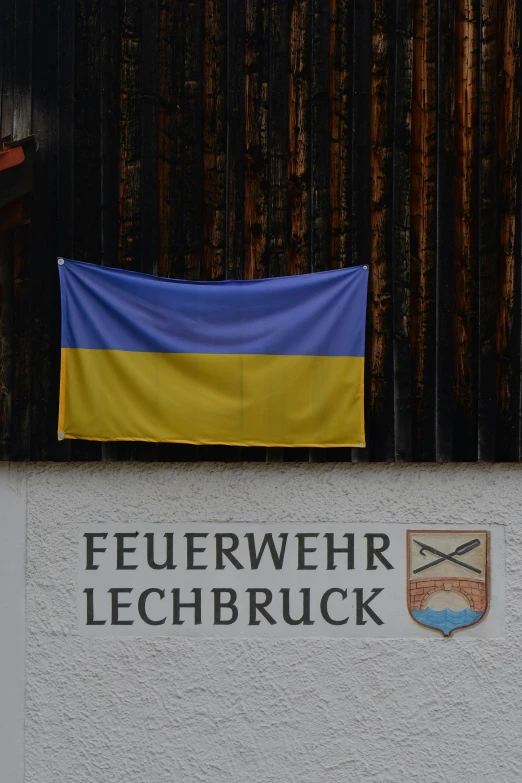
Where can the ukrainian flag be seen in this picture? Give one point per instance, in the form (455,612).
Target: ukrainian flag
(277,362)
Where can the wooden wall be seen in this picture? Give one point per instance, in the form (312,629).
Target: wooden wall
(212,139)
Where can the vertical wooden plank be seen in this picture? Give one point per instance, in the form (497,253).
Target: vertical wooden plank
(171,142)
(299,112)
(214,260)
(130,234)
(65,181)
(193,177)
(109,46)
(518,251)
(278,138)
(87,127)
(508,149)
(45,309)
(361,33)
(22,355)
(465,230)
(235,69)
(445,217)
(256,140)
(235,76)
(320,138)
(235,136)
(171,77)
(23,68)
(149,197)
(181,154)
(518,207)
(65,140)
(277,151)
(22,328)
(110,133)
(401,250)
(380,350)
(340,107)
(170,68)
(138,168)
(488,233)
(361,90)
(6,341)
(87,147)
(7,16)
(300,193)
(214,140)
(319,152)
(423,228)
(149,136)
(340,129)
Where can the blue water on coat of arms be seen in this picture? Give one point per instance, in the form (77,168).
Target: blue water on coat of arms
(446,620)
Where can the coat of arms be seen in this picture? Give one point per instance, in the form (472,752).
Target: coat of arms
(448,575)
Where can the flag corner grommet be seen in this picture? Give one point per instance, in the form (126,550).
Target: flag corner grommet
(61,435)
(60,262)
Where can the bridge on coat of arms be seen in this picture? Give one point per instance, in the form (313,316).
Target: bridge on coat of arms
(474,590)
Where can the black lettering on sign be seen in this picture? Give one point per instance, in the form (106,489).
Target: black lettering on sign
(169,560)
(196,605)
(363,606)
(116,605)
(191,550)
(121,550)
(372,551)
(256,606)
(142,609)
(324,606)
(89,591)
(219,605)
(91,549)
(268,540)
(302,551)
(221,550)
(305,617)
(331,551)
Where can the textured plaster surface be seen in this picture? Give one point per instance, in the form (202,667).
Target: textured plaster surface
(163,710)
(12,621)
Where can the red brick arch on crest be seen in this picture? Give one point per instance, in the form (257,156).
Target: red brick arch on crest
(474,590)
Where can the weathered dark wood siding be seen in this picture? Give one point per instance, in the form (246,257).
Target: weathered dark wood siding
(208,139)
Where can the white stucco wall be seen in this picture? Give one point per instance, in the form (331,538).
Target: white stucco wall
(12,621)
(165,710)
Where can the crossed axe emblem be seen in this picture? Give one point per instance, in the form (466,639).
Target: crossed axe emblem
(463,549)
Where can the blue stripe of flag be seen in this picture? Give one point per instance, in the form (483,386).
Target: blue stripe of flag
(320,314)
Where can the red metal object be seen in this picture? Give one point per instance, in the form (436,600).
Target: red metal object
(11,157)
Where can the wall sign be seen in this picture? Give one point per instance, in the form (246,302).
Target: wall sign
(288,580)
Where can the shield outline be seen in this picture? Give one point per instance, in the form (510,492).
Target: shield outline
(409,534)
